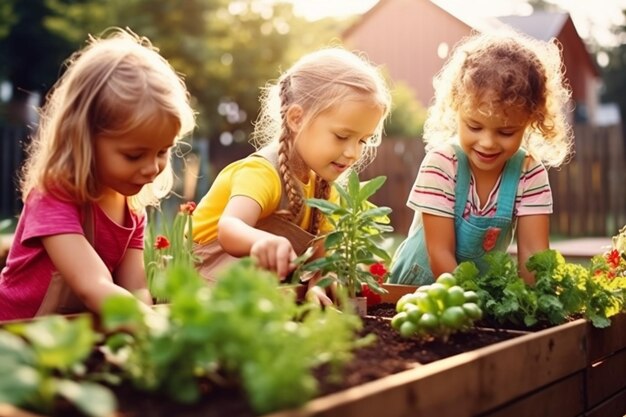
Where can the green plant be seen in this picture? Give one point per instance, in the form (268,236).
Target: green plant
(43,361)
(354,242)
(244,330)
(561,291)
(609,268)
(169,244)
(436,310)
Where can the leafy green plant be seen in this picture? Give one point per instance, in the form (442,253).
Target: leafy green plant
(609,268)
(356,238)
(44,360)
(244,330)
(561,291)
(436,310)
(167,242)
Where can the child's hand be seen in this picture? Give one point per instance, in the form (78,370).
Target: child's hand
(274,253)
(318,296)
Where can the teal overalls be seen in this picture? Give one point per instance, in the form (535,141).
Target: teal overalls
(475,236)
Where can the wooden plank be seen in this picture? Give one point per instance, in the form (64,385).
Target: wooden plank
(603,342)
(612,407)
(561,399)
(395,291)
(480,380)
(605,378)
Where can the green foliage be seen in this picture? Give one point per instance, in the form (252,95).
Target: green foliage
(42,361)
(242,330)
(407,115)
(354,242)
(167,242)
(561,291)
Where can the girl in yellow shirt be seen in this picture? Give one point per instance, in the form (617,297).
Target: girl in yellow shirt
(323,117)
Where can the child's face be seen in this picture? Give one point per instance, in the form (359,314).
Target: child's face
(489,140)
(334,140)
(125,164)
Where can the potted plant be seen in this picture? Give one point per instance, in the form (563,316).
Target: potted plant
(354,244)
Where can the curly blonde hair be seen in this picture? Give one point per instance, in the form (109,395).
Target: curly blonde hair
(518,72)
(316,83)
(115,84)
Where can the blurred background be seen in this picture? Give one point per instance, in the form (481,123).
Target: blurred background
(227,50)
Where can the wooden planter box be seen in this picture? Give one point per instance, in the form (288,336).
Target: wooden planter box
(569,370)
(605,375)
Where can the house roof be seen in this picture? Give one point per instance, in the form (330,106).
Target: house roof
(540,25)
(481,24)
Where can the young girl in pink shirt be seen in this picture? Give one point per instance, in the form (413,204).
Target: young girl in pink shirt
(100,155)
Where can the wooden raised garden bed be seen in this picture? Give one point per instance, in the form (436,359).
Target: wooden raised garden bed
(565,371)
(571,370)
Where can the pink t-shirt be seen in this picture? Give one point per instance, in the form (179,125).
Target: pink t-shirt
(26,276)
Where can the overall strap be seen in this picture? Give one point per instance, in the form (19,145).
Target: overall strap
(461,189)
(508,186)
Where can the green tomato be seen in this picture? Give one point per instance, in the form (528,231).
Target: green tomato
(455,296)
(404,300)
(413,313)
(428,321)
(454,317)
(425,303)
(423,288)
(473,311)
(437,291)
(471,296)
(398,319)
(408,329)
(446,279)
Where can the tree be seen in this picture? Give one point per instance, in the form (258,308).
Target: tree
(613,73)
(31,52)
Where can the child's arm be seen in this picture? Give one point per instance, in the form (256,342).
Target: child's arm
(82,269)
(440,240)
(131,274)
(238,236)
(532,237)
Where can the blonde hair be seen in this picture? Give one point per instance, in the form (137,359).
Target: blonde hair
(316,82)
(112,86)
(518,72)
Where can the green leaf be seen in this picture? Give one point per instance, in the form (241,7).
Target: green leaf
(92,399)
(325,206)
(346,199)
(354,188)
(18,386)
(333,239)
(371,187)
(121,311)
(59,342)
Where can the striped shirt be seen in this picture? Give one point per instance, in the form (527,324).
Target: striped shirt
(433,191)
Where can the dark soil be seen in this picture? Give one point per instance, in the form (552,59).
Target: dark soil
(388,355)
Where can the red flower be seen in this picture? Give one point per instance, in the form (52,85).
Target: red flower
(371,296)
(613,258)
(161,242)
(490,238)
(188,207)
(378,270)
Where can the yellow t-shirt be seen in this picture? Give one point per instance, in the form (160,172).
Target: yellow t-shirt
(254,177)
